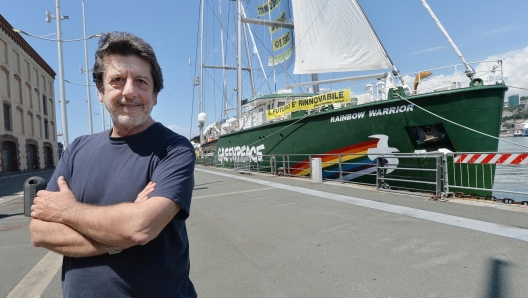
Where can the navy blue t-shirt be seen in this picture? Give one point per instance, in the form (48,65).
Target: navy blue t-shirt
(102,170)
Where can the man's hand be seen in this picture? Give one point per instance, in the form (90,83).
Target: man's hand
(143,195)
(50,205)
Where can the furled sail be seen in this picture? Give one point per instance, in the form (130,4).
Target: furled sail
(334,36)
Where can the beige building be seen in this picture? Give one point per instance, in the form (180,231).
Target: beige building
(28,138)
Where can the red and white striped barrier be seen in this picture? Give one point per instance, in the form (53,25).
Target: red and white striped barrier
(493,158)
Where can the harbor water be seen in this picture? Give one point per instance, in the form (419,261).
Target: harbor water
(512,177)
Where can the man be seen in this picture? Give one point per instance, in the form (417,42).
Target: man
(117,202)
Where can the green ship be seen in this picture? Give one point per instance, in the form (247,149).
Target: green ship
(347,128)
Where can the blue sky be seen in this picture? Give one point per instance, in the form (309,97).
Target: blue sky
(482,29)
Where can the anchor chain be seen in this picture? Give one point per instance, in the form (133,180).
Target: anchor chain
(444,196)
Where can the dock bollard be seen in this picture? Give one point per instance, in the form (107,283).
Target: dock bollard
(31,187)
(317,170)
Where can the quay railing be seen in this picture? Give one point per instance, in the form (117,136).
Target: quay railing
(500,177)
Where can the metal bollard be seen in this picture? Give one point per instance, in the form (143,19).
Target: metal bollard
(31,187)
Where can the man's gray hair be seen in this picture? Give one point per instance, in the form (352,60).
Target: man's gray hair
(125,44)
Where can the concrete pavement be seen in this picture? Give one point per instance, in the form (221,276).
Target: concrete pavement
(286,237)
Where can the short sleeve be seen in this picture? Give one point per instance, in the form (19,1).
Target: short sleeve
(174,178)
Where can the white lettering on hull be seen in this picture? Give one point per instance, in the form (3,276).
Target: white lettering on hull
(373,113)
(232,153)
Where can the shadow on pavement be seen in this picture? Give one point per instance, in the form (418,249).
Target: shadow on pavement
(2,216)
(497,283)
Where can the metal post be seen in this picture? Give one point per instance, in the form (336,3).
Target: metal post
(446,174)
(340,170)
(239,63)
(87,71)
(64,117)
(310,160)
(201,67)
(288,163)
(438,175)
(379,164)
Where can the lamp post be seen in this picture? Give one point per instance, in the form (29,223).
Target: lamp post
(87,71)
(62,92)
(64,116)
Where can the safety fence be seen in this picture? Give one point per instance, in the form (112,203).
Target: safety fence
(500,177)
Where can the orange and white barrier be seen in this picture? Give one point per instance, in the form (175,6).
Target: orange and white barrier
(492,158)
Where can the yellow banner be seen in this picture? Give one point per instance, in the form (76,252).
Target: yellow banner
(309,103)
(280,19)
(267,7)
(282,41)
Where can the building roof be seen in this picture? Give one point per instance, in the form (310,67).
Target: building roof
(22,43)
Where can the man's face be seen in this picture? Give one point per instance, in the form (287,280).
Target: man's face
(128,91)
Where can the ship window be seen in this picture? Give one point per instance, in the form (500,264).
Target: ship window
(280,104)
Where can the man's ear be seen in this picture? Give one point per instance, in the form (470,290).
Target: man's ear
(100,95)
(155,99)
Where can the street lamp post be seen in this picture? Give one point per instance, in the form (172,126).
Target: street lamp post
(64,116)
(87,71)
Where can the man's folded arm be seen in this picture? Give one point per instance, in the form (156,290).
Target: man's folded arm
(122,225)
(63,239)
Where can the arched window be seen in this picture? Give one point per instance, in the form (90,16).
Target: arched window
(7,117)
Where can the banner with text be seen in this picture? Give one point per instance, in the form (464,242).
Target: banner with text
(309,103)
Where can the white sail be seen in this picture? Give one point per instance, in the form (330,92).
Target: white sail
(334,36)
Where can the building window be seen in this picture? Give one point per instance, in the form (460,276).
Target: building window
(36,77)
(7,117)
(46,134)
(3,51)
(32,124)
(18,83)
(39,124)
(28,71)
(22,130)
(16,57)
(5,85)
(29,93)
(44,105)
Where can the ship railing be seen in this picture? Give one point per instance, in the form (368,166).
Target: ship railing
(454,77)
(496,177)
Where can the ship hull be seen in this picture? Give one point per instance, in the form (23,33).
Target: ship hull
(356,129)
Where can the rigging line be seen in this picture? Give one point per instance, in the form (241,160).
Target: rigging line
(518,88)
(282,128)
(452,122)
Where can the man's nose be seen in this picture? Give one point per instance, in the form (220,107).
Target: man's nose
(129,90)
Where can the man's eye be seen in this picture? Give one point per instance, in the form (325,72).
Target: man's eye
(116,80)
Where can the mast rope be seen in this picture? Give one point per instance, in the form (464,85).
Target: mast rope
(452,122)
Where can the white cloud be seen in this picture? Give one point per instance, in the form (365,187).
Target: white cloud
(427,50)
(498,30)
(515,69)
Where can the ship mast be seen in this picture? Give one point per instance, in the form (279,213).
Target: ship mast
(202,118)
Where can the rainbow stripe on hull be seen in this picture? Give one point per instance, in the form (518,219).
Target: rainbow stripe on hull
(354,161)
